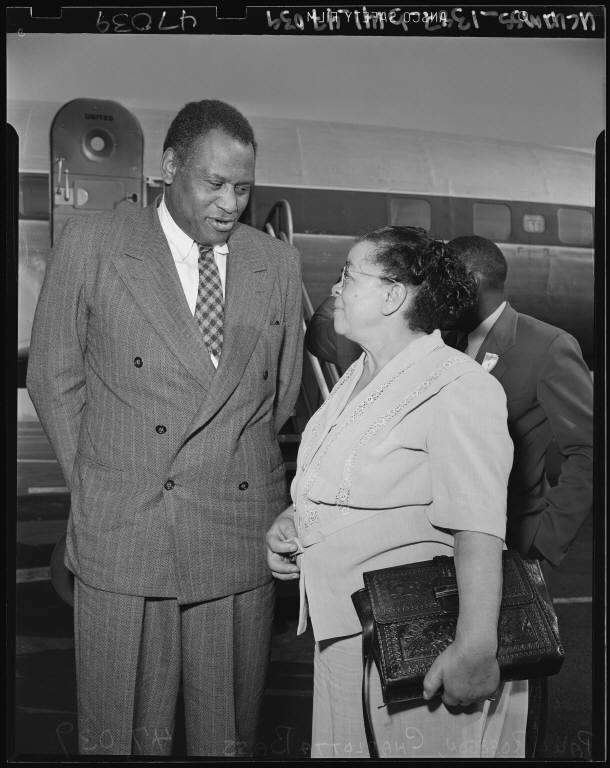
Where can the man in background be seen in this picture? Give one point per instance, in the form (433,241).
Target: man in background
(549,395)
(165,357)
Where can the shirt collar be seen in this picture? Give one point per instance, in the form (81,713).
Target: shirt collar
(177,237)
(481,331)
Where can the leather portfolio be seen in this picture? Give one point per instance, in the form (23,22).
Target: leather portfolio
(409,616)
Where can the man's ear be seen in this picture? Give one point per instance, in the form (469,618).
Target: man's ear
(169,165)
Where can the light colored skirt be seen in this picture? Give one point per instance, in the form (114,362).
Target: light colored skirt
(488,730)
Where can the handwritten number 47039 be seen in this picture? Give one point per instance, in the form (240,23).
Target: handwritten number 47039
(144,22)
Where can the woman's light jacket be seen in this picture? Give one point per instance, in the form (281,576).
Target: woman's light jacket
(385,479)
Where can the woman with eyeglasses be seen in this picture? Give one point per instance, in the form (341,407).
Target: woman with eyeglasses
(407,459)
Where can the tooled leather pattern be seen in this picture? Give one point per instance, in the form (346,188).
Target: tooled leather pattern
(424,637)
(409,644)
(394,596)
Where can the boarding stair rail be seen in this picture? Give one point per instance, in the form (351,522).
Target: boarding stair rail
(278,222)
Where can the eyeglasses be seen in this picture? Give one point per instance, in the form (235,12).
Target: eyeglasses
(347,272)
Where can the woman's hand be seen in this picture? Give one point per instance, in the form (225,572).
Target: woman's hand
(467,670)
(282,546)
(467,675)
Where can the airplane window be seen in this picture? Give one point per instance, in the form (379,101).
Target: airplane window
(534,223)
(491,220)
(409,211)
(575,226)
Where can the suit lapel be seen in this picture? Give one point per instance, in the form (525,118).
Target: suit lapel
(499,340)
(248,291)
(148,270)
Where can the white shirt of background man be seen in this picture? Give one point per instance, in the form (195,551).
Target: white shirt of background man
(477,337)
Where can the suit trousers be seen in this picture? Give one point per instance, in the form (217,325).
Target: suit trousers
(132,653)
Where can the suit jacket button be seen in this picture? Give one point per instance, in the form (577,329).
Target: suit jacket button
(161,429)
(243,485)
(265,375)
(169,485)
(137,361)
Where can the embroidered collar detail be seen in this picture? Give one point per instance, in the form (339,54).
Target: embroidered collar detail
(307,512)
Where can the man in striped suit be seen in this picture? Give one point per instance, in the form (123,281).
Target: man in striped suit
(165,356)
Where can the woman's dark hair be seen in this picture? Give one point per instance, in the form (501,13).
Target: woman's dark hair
(445,289)
(197,118)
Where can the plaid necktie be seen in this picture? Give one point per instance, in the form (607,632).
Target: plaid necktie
(209,310)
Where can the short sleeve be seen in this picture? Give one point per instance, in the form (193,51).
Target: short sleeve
(470,454)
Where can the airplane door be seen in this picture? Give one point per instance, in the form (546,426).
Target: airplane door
(96,160)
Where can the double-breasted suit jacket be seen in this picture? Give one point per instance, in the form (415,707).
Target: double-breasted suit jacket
(549,395)
(173,466)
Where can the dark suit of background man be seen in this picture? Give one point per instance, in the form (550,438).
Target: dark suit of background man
(166,431)
(549,395)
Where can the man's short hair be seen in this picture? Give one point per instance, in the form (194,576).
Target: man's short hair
(197,118)
(483,258)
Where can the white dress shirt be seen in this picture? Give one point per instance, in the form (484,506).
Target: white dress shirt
(477,337)
(186,258)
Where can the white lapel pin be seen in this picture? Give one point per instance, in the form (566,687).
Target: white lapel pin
(489,361)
